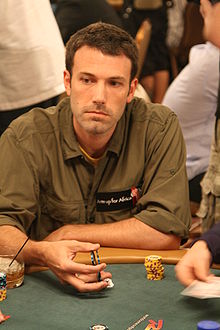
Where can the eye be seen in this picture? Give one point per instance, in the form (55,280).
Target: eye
(86,80)
(115,83)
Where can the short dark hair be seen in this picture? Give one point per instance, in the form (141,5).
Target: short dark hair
(107,38)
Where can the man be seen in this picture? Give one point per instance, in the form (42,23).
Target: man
(196,263)
(99,167)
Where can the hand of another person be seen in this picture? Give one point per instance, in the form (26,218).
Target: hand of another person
(59,258)
(195,264)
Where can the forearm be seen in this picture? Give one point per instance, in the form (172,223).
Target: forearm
(130,233)
(12,239)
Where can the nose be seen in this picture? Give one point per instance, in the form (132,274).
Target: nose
(99,96)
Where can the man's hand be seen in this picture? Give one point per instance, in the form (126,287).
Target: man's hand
(195,264)
(58,256)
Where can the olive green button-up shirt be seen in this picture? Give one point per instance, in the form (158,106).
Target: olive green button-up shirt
(46,181)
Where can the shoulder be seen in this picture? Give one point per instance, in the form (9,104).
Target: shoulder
(149,113)
(40,121)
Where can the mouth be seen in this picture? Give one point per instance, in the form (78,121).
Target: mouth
(97,113)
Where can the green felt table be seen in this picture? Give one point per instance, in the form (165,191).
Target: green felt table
(43,303)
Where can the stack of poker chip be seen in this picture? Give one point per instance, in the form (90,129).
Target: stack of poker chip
(3,290)
(154,268)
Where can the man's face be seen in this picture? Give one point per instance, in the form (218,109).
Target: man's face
(99,90)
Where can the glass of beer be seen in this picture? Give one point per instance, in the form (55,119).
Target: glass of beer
(14,272)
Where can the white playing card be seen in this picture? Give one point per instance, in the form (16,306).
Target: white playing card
(203,290)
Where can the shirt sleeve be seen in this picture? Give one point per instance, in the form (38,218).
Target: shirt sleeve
(18,208)
(164,204)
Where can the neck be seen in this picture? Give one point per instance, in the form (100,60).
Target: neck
(94,145)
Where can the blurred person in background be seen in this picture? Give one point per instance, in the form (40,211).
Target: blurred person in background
(195,265)
(155,72)
(73,15)
(32,58)
(193,97)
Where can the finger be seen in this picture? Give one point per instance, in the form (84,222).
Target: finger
(202,270)
(82,286)
(105,275)
(94,277)
(84,246)
(73,267)
(184,273)
(201,260)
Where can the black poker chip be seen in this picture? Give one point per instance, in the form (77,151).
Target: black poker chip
(98,327)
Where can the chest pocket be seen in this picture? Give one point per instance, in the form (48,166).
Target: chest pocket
(63,212)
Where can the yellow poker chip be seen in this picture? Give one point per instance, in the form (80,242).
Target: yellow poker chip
(154,275)
(152,266)
(155,279)
(154,269)
(159,266)
(3,294)
(153,258)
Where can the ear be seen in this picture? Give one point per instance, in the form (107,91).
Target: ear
(67,82)
(133,86)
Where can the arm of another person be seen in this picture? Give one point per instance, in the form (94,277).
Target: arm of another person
(165,215)
(196,262)
(211,15)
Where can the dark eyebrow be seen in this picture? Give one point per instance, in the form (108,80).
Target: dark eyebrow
(110,78)
(117,78)
(87,74)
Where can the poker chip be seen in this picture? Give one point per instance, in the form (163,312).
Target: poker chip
(3,294)
(98,327)
(2,280)
(154,268)
(3,290)
(96,261)
(206,324)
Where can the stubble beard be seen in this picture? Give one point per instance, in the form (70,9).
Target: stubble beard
(96,125)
